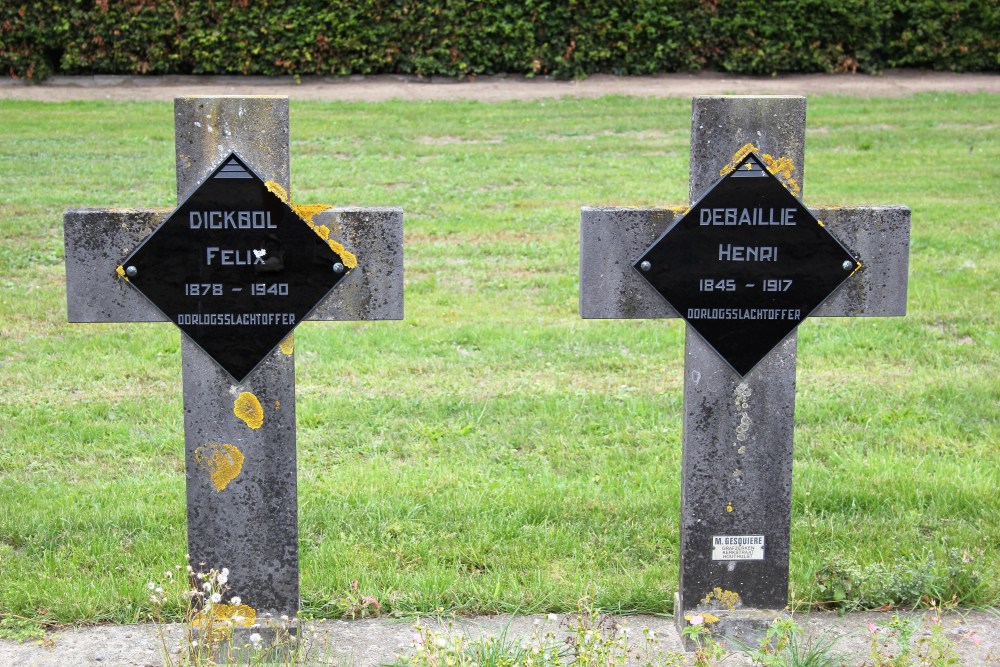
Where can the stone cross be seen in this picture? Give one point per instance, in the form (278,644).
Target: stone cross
(239,436)
(738,431)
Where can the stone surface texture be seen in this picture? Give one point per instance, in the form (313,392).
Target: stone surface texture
(879,236)
(610,240)
(374,289)
(96,240)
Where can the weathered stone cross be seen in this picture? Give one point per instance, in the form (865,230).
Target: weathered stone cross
(737,431)
(239,436)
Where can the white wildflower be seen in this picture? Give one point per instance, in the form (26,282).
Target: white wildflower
(235,600)
(216,597)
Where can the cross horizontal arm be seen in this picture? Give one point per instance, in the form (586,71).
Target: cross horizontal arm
(96,242)
(98,239)
(880,238)
(374,289)
(612,238)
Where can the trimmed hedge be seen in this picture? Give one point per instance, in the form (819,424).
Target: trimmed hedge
(464,38)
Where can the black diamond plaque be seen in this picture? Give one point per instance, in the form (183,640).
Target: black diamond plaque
(235,267)
(746,264)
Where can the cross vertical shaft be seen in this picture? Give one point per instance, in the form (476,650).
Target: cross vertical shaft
(737,433)
(250,524)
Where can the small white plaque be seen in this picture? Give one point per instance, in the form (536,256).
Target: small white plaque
(737,547)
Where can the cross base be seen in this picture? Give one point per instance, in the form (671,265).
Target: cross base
(737,628)
(276,643)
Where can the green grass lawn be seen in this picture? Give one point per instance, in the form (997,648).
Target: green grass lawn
(493,451)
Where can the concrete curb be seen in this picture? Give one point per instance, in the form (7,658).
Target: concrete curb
(372,642)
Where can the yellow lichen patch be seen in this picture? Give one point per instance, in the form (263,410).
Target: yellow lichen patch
(729,507)
(680,210)
(782,167)
(247,407)
(277,190)
(308,211)
(350,261)
(223,462)
(220,619)
(287,346)
(706,618)
(277,405)
(120,273)
(737,156)
(729,599)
